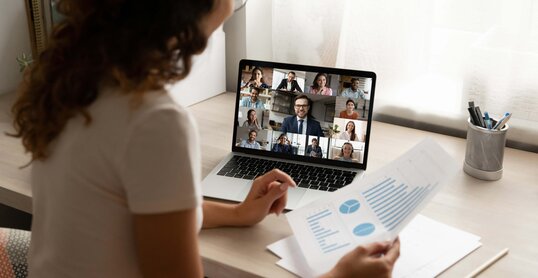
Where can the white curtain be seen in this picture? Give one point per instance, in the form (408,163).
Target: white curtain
(431,56)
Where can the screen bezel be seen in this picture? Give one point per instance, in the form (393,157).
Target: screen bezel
(306,68)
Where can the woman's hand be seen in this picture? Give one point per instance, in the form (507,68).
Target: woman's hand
(372,260)
(267,195)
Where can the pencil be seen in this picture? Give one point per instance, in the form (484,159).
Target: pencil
(488,263)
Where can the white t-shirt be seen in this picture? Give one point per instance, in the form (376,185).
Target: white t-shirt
(126,161)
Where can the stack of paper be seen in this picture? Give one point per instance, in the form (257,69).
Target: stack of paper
(427,249)
(375,208)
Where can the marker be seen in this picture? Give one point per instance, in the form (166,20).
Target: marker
(487,120)
(500,124)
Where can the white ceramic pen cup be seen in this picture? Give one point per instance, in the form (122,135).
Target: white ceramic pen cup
(485,152)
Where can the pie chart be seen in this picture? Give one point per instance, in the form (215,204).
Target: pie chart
(364,229)
(349,206)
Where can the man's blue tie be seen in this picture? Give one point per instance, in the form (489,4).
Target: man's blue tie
(301,126)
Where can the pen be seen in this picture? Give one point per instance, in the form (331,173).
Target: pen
(479,116)
(500,124)
(487,120)
(472,112)
(488,263)
(472,116)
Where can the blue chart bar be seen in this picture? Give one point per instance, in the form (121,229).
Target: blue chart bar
(323,231)
(393,203)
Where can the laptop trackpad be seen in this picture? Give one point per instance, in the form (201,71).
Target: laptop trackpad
(294,194)
(244,192)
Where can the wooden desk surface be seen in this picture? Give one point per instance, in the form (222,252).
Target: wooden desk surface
(504,212)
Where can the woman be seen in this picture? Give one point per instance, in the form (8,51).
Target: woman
(346,153)
(283,145)
(319,85)
(252,121)
(349,134)
(349,113)
(115,164)
(256,79)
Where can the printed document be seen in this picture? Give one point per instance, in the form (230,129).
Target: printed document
(375,208)
(428,249)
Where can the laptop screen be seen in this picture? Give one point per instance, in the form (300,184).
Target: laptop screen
(304,113)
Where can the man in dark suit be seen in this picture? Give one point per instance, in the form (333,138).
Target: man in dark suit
(303,122)
(289,84)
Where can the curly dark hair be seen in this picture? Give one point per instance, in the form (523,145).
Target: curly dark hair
(135,45)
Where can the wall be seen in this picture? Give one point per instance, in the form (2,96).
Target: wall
(236,46)
(207,76)
(248,36)
(14,40)
(259,29)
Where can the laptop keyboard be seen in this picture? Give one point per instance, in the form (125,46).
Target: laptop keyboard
(305,176)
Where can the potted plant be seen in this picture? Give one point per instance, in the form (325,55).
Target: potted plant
(333,130)
(24,61)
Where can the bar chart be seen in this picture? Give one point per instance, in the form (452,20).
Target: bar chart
(374,208)
(326,231)
(393,201)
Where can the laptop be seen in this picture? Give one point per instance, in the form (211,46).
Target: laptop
(308,121)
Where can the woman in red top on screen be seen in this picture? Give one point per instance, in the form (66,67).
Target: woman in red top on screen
(350,112)
(319,86)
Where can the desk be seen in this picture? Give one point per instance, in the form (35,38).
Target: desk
(504,213)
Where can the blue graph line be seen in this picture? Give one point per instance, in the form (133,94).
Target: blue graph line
(328,246)
(387,188)
(384,196)
(319,217)
(387,199)
(397,199)
(321,212)
(406,195)
(397,221)
(324,236)
(336,248)
(318,234)
(374,188)
(404,205)
(401,205)
(378,189)
(409,210)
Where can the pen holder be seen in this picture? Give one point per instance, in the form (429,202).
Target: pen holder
(484,153)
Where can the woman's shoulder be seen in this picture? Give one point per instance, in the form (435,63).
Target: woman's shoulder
(149,106)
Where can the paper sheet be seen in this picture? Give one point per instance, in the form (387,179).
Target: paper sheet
(374,208)
(427,249)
